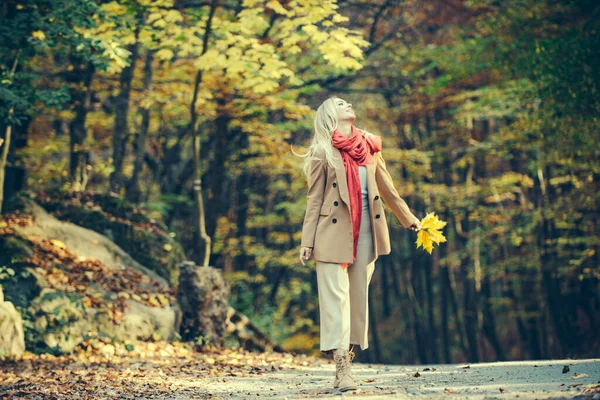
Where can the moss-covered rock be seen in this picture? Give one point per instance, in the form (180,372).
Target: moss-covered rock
(68,281)
(143,238)
(60,322)
(22,285)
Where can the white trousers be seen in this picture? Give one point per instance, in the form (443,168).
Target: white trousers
(343,295)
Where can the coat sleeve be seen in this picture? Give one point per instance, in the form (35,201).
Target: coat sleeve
(316,190)
(390,195)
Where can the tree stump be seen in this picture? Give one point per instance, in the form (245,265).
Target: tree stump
(203,295)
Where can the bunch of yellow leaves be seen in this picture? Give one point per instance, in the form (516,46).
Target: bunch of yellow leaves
(430,232)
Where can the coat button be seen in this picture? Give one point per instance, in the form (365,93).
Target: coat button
(335,203)
(377,216)
(376,198)
(334,184)
(334,220)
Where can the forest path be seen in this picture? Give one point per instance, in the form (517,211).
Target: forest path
(177,372)
(498,380)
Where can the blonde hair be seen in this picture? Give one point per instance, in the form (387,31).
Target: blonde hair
(325,123)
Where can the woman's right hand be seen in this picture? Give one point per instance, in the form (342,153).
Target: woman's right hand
(305,253)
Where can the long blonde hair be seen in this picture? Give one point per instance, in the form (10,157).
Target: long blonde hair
(325,123)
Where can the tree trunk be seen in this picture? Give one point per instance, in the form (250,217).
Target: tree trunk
(79,162)
(5,143)
(414,290)
(204,241)
(373,328)
(133,190)
(215,177)
(489,324)
(4,146)
(429,281)
(121,113)
(384,266)
(444,298)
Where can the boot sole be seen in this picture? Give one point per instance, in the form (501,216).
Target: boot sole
(347,388)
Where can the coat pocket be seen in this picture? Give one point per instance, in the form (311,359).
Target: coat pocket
(325,210)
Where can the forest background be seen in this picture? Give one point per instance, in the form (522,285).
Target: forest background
(489,113)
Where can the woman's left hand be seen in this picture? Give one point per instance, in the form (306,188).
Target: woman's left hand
(415,227)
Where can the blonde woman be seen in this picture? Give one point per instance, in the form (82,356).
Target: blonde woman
(345,229)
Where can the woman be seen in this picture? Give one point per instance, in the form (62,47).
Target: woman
(345,228)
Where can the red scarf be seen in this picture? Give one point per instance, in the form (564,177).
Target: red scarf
(355,150)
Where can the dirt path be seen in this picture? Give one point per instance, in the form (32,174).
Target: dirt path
(501,380)
(164,371)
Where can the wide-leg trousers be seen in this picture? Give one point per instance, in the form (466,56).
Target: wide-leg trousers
(343,295)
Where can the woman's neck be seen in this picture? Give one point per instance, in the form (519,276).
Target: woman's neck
(345,128)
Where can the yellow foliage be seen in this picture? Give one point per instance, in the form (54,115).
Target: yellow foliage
(278,8)
(164,54)
(430,232)
(39,35)
(114,8)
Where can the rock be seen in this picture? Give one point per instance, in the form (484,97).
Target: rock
(142,322)
(12,337)
(56,321)
(61,322)
(144,240)
(203,295)
(83,241)
(25,285)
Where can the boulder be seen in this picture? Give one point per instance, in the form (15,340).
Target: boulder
(12,337)
(25,284)
(203,297)
(145,240)
(62,322)
(83,241)
(51,258)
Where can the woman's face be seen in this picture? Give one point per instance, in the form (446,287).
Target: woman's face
(344,110)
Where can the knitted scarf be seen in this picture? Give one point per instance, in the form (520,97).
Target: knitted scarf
(355,150)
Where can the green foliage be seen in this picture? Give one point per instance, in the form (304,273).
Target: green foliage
(30,28)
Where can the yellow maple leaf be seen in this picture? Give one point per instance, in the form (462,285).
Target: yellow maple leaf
(430,232)
(424,240)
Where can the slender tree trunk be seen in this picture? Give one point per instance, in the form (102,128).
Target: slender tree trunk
(5,143)
(374,334)
(133,190)
(444,298)
(79,152)
(204,241)
(452,289)
(489,324)
(215,178)
(4,147)
(121,113)
(432,330)
(384,267)
(414,290)
(470,316)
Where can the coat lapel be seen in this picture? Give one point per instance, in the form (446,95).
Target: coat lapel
(340,173)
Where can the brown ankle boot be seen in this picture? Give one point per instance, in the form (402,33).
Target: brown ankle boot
(343,373)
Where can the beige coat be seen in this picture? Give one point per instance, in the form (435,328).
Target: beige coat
(327,224)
